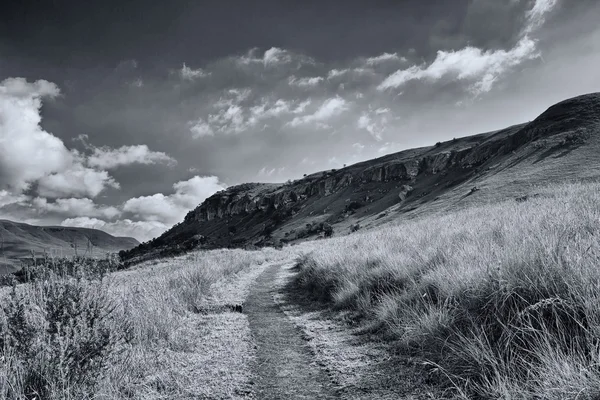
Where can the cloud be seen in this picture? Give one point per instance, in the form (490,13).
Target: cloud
(190,74)
(7,198)
(21,134)
(271,173)
(152,215)
(337,72)
(30,155)
(141,230)
(300,108)
(275,56)
(385,57)
(480,68)
(358,147)
(78,181)
(269,110)
(107,158)
(237,112)
(170,209)
(305,82)
(329,108)
(537,14)
(272,57)
(137,82)
(75,207)
(200,128)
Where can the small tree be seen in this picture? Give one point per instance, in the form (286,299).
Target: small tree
(327,230)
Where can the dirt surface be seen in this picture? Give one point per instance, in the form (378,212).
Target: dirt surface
(362,364)
(304,351)
(285,366)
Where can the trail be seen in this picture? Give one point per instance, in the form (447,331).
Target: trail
(285,367)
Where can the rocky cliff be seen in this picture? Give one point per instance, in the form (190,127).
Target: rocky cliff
(438,177)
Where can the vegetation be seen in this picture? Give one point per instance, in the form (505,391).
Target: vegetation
(500,301)
(36,269)
(73,334)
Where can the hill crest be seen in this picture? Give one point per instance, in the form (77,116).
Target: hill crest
(18,240)
(560,144)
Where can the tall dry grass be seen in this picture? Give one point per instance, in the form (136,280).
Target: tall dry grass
(502,300)
(107,336)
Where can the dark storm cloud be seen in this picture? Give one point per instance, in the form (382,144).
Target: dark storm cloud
(176,101)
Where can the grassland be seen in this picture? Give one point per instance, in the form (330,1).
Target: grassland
(500,301)
(496,301)
(157,331)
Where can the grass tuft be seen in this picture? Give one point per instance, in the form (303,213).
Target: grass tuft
(504,300)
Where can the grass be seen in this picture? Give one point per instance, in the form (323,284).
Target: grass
(121,335)
(501,301)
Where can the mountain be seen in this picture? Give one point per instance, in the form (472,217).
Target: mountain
(562,144)
(18,240)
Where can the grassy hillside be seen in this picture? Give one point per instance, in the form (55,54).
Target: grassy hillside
(18,240)
(560,145)
(501,301)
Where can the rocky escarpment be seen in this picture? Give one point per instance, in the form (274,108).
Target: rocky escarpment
(250,198)
(258,214)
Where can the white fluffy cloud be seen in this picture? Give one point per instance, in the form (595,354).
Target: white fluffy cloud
(27,152)
(385,57)
(107,158)
(200,128)
(537,14)
(305,82)
(78,181)
(7,198)
(152,215)
(141,230)
(30,155)
(276,55)
(480,68)
(376,122)
(329,108)
(73,207)
(190,74)
(272,57)
(170,209)
(236,113)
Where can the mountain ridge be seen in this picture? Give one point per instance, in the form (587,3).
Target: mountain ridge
(18,240)
(560,144)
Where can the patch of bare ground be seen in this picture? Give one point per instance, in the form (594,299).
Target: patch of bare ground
(360,364)
(285,366)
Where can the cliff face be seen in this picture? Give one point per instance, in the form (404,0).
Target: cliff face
(368,193)
(250,198)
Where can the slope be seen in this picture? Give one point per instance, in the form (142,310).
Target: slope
(562,144)
(18,240)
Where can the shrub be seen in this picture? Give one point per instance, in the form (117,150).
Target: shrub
(58,336)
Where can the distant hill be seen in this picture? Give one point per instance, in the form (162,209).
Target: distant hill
(17,240)
(562,144)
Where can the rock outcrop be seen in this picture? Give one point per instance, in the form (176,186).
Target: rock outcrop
(266,214)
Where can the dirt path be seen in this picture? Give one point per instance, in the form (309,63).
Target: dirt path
(285,366)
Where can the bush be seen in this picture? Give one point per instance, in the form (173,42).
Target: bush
(58,336)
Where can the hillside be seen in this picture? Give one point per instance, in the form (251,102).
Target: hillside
(562,144)
(17,240)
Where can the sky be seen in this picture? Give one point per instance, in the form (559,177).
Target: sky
(123,116)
